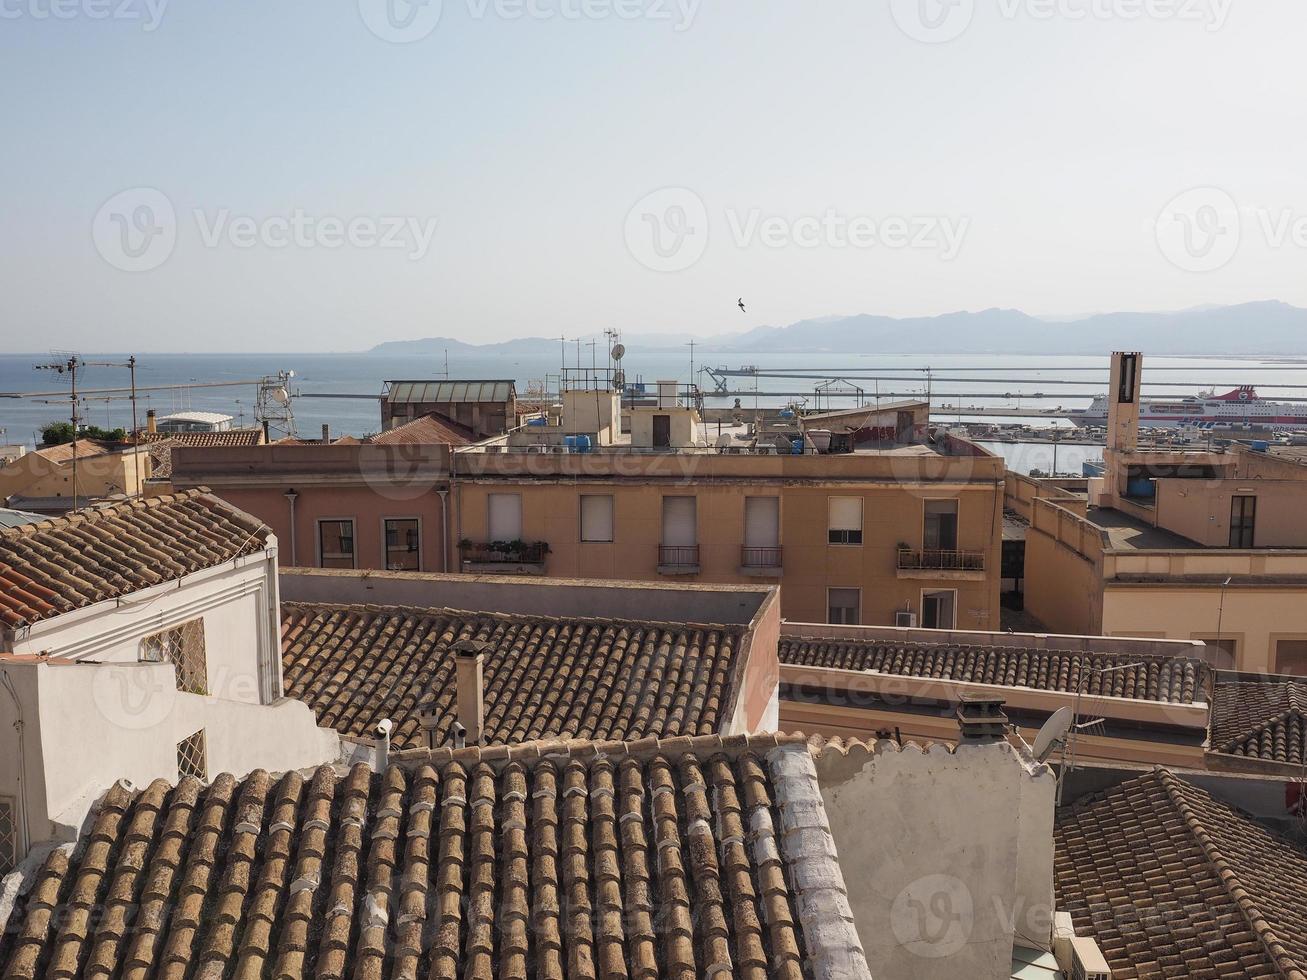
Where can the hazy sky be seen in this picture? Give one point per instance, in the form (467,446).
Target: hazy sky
(327,174)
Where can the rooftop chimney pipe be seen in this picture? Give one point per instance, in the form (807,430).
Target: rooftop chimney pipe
(470,689)
(326,433)
(151,422)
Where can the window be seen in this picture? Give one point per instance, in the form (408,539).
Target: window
(940,531)
(679,522)
(596,517)
(844,520)
(192,756)
(8,835)
(843,607)
(403,552)
(1129,367)
(1291,657)
(1226,650)
(336,544)
(183,647)
(504,516)
(938,609)
(762,522)
(1243,515)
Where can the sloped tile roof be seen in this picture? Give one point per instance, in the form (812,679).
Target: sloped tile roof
(563,862)
(163,443)
(1175,680)
(1174,883)
(65,451)
(548,677)
(1264,720)
(425,430)
(66,563)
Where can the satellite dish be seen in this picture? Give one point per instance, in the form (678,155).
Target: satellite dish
(619,351)
(1053,733)
(619,379)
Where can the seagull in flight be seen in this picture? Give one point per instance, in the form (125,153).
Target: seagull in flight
(740,304)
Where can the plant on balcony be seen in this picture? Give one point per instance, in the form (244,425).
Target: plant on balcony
(518,552)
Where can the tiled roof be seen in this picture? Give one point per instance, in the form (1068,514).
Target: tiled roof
(432,428)
(1264,720)
(548,677)
(1175,680)
(64,452)
(678,859)
(163,443)
(1173,883)
(65,563)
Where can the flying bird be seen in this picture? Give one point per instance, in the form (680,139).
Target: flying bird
(740,304)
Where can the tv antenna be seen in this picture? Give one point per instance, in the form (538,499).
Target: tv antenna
(273,410)
(68,365)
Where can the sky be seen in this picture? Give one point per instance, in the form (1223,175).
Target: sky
(324,175)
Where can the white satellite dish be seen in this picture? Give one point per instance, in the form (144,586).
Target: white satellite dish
(619,351)
(1053,733)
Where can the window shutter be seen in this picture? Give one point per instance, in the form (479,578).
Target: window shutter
(846,513)
(679,522)
(596,517)
(505,516)
(762,526)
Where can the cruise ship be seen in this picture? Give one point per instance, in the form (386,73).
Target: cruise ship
(1240,407)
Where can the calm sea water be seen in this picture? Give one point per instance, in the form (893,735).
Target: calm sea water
(364,374)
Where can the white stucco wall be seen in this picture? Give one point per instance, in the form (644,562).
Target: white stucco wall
(87,725)
(947,855)
(236,600)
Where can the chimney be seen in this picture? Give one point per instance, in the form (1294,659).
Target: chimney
(1122,421)
(326,434)
(427,721)
(151,423)
(470,689)
(981,720)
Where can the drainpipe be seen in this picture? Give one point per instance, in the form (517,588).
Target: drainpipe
(444,530)
(290,496)
(383,746)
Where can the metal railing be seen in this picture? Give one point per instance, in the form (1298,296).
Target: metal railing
(933,559)
(760,557)
(678,556)
(507,552)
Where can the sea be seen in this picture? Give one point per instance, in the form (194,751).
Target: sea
(31,396)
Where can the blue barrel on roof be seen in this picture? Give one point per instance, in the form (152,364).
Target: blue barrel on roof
(796,447)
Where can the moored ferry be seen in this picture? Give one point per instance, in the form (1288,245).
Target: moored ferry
(1206,410)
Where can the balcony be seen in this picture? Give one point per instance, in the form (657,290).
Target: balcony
(936,563)
(503,557)
(680,559)
(760,562)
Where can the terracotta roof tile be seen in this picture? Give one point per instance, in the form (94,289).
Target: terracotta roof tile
(432,428)
(66,563)
(1174,883)
(573,678)
(1172,679)
(161,445)
(1262,719)
(654,861)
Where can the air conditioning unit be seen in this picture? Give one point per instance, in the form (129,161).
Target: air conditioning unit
(905,620)
(1087,961)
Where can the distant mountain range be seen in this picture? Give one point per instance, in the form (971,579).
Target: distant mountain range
(1269,327)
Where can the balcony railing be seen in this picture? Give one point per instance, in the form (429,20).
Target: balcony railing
(676,556)
(504,552)
(936,560)
(760,557)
